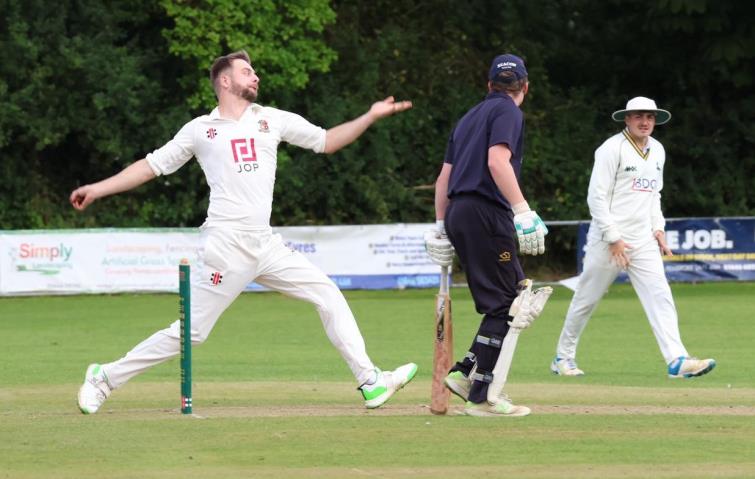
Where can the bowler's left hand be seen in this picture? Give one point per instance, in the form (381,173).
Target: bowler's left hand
(388,107)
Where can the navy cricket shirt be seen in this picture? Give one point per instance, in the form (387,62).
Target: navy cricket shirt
(494,121)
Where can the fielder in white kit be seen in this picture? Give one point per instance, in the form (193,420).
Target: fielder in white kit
(236,146)
(627,233)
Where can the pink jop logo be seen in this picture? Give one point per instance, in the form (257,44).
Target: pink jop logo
(243,150)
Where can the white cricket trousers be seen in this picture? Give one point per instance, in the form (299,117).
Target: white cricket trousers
(242,257)
(649,281)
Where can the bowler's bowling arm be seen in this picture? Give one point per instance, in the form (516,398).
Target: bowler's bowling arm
(133,175)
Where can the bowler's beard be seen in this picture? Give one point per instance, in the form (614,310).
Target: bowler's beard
(246,93)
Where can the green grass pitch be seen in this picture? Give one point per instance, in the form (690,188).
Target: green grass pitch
(277,401)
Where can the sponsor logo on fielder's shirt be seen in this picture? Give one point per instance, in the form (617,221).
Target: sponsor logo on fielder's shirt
(264,128)
(216,278)
(644,184)
(244,154)
(212,133)
(630,168)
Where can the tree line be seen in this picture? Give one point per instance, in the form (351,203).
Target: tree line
(89,86)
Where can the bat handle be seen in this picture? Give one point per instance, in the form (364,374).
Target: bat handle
(443,279)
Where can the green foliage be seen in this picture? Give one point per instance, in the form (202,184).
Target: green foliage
(387,175)
(84,82)
(88,87)
(281,37)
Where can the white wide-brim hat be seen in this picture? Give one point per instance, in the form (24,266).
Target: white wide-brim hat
(640,103)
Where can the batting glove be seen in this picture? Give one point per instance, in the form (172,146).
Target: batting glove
(438,246)
(530,229)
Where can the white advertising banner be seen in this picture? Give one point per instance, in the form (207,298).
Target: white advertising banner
(367,256)
(93,261)
(132,260)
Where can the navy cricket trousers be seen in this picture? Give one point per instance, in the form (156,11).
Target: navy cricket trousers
(483,234)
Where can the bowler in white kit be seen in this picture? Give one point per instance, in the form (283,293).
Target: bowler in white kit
(627,233)
(236,146)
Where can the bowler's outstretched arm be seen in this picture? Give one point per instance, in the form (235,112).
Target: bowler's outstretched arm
(346,133)
(134,175)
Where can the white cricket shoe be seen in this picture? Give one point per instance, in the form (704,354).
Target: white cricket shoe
(458,384)
(387,383)
(565,367)
(685,367)
(95,389)
(503,407)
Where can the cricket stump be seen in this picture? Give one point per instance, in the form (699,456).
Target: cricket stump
(184,308)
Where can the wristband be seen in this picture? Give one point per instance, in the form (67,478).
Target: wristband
(520,208)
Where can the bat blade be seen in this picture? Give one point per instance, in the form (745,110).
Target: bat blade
(442,354)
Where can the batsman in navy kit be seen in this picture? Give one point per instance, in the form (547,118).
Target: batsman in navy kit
(482,215)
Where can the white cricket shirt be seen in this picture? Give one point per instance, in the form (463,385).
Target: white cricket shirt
(239,159)
(625,190)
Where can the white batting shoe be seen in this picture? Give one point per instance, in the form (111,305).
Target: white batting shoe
(95,389)
(685,367)
(387,383)
(503,407)
(565,367)
(458,384)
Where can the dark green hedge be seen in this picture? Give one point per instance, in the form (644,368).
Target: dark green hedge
(87,87)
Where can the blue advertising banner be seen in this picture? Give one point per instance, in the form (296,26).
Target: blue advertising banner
(705,249)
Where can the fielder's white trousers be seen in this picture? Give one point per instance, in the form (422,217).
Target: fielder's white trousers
(649,281)
(242,257)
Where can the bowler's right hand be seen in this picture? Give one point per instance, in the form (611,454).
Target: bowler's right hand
(83,196)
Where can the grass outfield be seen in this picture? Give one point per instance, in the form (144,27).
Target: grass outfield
(277,401)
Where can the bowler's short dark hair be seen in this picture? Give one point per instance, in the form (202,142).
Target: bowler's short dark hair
(222,63)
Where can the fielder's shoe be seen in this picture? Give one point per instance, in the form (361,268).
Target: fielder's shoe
(95,389)
(684,367)
(458,384)
(387,383)
(565,367)
(503,407)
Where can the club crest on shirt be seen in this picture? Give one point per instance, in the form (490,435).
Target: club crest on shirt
(212,133)
(504,257)
(216,278)
(264,128)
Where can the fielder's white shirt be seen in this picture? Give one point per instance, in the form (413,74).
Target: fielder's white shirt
(625,190)
(239,159)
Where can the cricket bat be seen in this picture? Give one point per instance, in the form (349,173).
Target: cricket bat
(443,346)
